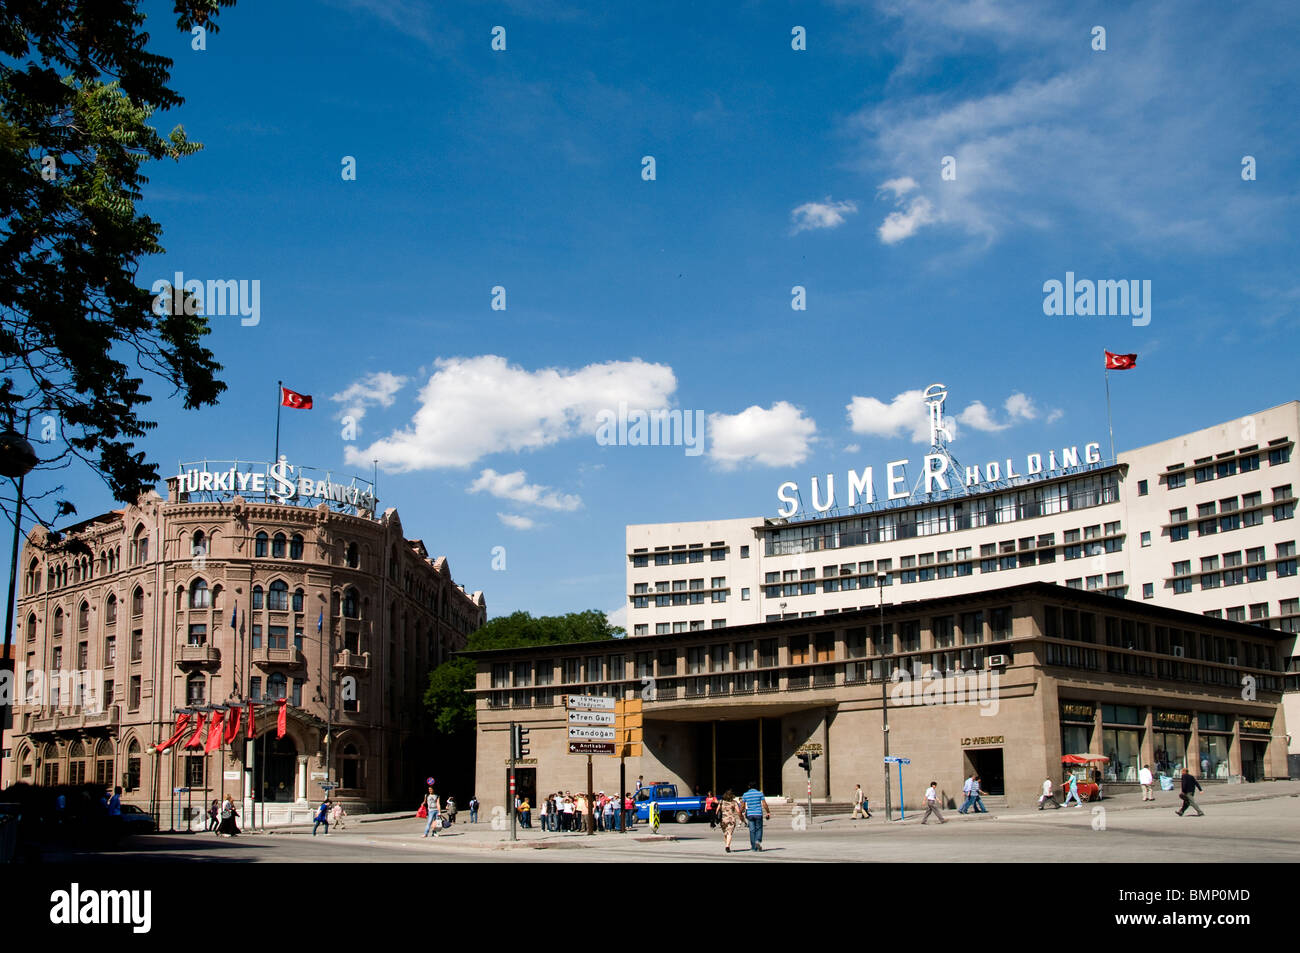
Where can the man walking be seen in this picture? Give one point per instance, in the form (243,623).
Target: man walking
(1190,787)
(1145,778)
(756,810)
(322,817)
(473,809)
(967,797)
(860,803)
(976,804)
(1073,792)
(932,804)
(1046,796)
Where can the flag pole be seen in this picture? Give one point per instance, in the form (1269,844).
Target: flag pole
(279,402)
(1109,425)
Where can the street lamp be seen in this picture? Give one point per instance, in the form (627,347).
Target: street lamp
(884,701)
(17,459)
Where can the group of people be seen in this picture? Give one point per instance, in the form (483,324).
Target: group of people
(329,812)
(441,815)
(566,811)
(222,817)
(730,811)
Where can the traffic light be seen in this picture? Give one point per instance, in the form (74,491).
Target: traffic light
(514,742)
(805,762)
(522,745)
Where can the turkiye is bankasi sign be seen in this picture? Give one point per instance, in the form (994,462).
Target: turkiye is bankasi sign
(280,481)
(940,473)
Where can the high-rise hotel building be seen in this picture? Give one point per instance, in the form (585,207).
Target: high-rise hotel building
(1203,522)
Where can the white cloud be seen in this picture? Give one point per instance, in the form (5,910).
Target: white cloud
(1055,415)
(516,522)
(514,486)
(618,617)
(777,436)
(977,415)
(1020,407)
(378,389)
(900,186)
(853,448)
(813,215)
(900,225)
(474,406)
(905,414)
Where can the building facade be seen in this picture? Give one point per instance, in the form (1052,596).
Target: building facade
(1204,523)
(1003,682)
(195,601)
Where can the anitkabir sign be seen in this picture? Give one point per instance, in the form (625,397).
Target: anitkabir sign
(279,481)
(940,474)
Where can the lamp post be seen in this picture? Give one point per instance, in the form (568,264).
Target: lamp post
(884,700)
(17,459)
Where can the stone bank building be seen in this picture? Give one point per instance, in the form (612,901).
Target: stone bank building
(203,599)
(1003,682)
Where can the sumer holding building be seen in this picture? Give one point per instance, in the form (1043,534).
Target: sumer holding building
(1167,637)
(235,588)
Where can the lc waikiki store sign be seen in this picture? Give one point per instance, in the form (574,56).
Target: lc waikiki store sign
(940,474)
(279,481)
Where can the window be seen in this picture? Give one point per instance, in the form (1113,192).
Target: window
(1148,590)
(1146,538)
(110,610)
(277,546)
(199,595)
(137,644)
(350,599)
(717,553)
(1176,480)
(298,596)
(255,688)
(277,686)
(137,603)
(1249,463)
(58,623)
(196,689)
(1142,487)
(1205,471)
(258,594)
(1286,559)
(110,651)
(277,637)
(278,598)
(133,698)
(83,617)
(351,557)
(1283,506)
(1278,455)
(744,595)
(260,544)
(198,544)
(1210,578)
(255,635)
(198,634)
(744,552)
(295,546)
(139,546)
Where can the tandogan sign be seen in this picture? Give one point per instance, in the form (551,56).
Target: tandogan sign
(939,473)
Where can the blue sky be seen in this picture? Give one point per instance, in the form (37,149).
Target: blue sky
(774,168)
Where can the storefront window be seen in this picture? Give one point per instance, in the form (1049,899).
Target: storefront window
(1076,739)
(1214,756)
(1121,746)
(1171,752)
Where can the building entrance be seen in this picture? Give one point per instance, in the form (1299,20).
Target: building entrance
(987,763)
(734,754)
(275,768)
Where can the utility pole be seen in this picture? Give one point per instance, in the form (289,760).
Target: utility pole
(884,698)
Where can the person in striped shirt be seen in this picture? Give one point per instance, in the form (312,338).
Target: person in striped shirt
(756,810)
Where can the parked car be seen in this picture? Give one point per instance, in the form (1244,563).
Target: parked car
(135,820)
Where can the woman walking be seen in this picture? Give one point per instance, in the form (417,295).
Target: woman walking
(431,805)
(228,827)
(730,811)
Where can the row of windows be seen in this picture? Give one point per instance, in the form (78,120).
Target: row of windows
(682,555)
(1231,514)
(1080,626)
(1233,571)
(1228,464)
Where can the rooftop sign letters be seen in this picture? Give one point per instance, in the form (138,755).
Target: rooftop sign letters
(280,481)
(941,477)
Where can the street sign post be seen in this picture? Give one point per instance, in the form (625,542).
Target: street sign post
(894,759)
(591,747)
(591,733)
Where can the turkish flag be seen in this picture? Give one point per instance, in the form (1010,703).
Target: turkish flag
(280,725)
(214,732)
(198,729)
(248,723)
(291,398)
(182,725)
(232,725)
(1121,362)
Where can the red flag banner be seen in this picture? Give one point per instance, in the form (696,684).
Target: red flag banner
(291,398)
(248,723)
(215,732)
(232,726)
(1121,362)
(198,730)
(182,722)
(281,724)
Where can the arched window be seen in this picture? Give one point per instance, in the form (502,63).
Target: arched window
(104,761)
(132,766)
(350,603)
(110,610)
(77,763)
(216,596)
(279,596)
(351,558)
(33,584)
(196,689)
(58,622)
(139,546)
(137,602)
(198,544)
(25,765)
(276,686)
(259,546)
(295,546)
(31,627)
(297,600)
(200,598)
(257,597)
(277,546)
(83,616)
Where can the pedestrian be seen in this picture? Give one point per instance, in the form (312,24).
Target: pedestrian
(1073,784)
(543,812)
(1146,779)
(1046,796)
(337,814)
(859,803)
(214,815)
(570,813)
(115,803)
(322,817)
(1190,787)
(431,805)
(580,812)
(730,812)
(966,795)
(932,804)
(473,809)
(228,827)
(629,810)
(451,809)
(609,813)
(756,811)
(976,804)
(525,813)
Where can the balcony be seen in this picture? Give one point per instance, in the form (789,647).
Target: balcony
(198,655)
(110,718)
(352,661)
(291,656)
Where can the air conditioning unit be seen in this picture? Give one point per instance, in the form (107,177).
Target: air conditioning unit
(1178,650)
(996,661)
(1232,660)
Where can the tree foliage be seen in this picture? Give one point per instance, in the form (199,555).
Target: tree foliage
(77,335)
(446,697)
